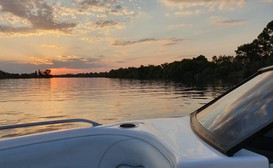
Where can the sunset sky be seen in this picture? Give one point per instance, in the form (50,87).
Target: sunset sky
(72,36)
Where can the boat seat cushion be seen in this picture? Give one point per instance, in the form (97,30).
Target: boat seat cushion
(134,153)
(96,151)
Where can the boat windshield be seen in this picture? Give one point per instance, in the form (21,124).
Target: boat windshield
(241,112)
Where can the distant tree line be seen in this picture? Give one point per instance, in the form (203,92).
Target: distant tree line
(36,74)
(82,75)
(248,59)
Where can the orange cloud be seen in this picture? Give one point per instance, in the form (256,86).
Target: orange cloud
(51,46)
(41,61)
(72,58)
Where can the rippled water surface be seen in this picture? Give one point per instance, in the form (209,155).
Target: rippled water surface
(100,99)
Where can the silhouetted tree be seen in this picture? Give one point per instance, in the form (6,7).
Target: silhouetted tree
(258,53)
(44,73)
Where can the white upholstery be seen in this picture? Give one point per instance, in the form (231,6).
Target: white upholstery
(134,153)
(81,152)
(96,151)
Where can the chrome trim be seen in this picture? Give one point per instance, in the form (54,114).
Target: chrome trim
(94,124)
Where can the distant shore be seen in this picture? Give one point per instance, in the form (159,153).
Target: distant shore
(248,59)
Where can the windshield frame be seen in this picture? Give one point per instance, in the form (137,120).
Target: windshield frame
(217,142)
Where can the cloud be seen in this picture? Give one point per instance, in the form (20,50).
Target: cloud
(61,10)
(220,4)
(101,5)
(98,39)
(38,14)
(92,39)
(226,22)
(20,67)
(112,7)
(51,46)
(40,61)
(179,26)
(166,41)
(107,24)
(172,41)
(77,62)
(9,19)
(42,17)
(101,26)
(125,43)
(35,63)
(195,12)
(72,58)
(97,3)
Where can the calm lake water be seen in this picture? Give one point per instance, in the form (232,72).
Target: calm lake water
(100,99)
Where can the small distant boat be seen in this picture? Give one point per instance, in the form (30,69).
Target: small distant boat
(233,131)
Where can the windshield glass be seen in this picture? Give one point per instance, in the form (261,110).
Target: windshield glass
(242,111)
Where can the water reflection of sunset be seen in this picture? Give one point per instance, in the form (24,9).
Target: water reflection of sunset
(99,99)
